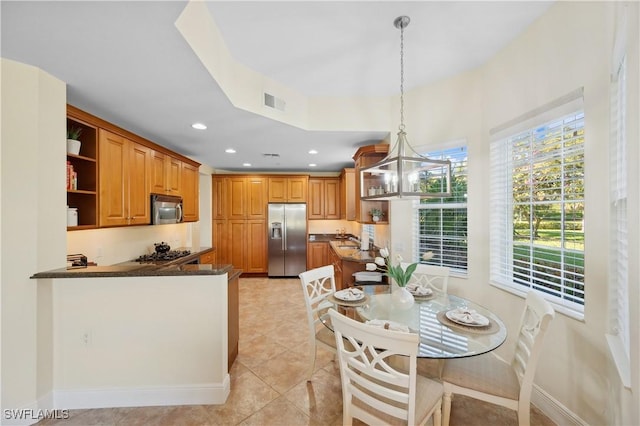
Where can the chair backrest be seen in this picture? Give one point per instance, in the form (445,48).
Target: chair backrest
(533,325)
(431,276)
(367,374)
(317,285)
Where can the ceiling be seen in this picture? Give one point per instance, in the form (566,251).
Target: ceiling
(127,63)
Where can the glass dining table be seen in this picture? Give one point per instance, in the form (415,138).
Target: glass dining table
(440,337)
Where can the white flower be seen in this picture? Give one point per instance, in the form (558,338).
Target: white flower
(380,261)
(427,255)
(384,252)
(399,259)
(371,267)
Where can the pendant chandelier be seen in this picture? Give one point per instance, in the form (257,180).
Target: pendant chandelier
(403,173)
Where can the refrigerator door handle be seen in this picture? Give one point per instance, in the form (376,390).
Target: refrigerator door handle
(284,235)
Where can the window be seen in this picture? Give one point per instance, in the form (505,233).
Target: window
(537,208)
(618,336)
(441,223)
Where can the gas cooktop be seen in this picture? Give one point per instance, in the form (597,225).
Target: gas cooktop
(163,257)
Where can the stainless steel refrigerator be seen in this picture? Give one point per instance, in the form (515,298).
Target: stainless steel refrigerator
(287,239)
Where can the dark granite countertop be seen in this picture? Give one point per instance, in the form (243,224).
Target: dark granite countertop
(350,251)
(325,238)
(132,268)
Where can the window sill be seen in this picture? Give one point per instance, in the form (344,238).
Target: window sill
(561,309)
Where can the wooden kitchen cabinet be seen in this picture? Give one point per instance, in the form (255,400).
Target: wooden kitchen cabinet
(233,318)
(117,170)
(317,254)
(288,189)
(344,269)
(336,261)
(323,198)
(348,194)
(247,245)
(240,222)
(190,190)
(219,196)
(166,174)
(208,258)
(85,165)
(221,240)
(365,156)
(123,173)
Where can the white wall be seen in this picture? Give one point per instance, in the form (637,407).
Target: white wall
(568,47)
(33,222)
(140,341)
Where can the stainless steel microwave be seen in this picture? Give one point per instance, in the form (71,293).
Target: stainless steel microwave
(165,209)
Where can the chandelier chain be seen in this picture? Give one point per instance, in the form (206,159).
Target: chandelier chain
(401,127)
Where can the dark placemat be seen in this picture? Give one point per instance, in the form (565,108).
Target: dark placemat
(337,301)
(488,329)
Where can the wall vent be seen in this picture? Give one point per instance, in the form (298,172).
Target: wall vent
(274,102)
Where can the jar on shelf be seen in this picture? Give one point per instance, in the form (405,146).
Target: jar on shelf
(72,216)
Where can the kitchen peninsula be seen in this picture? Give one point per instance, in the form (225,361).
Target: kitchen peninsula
(136,334)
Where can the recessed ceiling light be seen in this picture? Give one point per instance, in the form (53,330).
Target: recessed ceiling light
(230,151)
(246,164)
(198,126)
(313,151)
(312,165)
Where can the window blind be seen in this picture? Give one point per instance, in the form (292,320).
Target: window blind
(537,204)
(440,224)
(619,276)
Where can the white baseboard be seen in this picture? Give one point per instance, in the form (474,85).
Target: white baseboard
(553,409)
(210,393)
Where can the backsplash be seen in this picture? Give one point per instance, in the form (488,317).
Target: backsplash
(107,246)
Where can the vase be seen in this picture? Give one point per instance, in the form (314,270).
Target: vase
(375,218)
(73,146)
(401,297)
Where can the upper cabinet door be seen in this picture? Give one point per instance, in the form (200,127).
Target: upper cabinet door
(190,192)
(297,189)
(113,170)
(257,193)
(166,174)
(219,197)
(277,190)
(237,197)
(315,208)
(138,191)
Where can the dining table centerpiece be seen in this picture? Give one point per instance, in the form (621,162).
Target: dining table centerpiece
(402,298)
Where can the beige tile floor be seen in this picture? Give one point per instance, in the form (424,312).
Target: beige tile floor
(268,384)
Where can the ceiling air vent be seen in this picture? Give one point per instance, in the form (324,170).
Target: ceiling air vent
(274,102)
(271,155)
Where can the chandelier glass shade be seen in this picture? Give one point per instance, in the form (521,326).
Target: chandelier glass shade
(403,173)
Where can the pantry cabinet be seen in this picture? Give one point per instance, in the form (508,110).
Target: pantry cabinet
(124,171)
(240,222)
(324,198)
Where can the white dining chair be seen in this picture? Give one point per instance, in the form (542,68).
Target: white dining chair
(317,285)
(491,379)
(430,276)
(373,390)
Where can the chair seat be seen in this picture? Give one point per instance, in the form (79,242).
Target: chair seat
(428,394)
(484,373)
